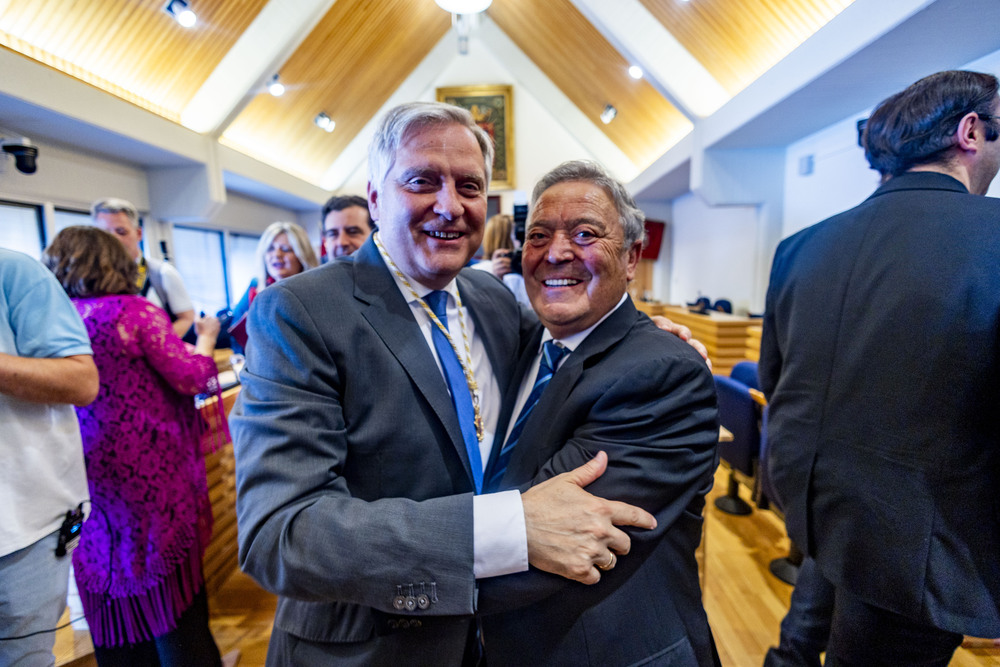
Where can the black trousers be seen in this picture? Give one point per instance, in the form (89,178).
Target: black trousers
(861,634)
(190,644)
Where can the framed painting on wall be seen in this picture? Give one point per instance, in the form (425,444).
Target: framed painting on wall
(492,108)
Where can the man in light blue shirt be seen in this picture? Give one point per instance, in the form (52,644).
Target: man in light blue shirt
(45,369)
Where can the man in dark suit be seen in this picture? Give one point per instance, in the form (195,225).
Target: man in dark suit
(370,400)
(880,357)
(619,385)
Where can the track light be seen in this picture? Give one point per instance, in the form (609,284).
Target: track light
(324,122)
(608,114)
(275,87)
(181,12)
(464,6)
(635,72)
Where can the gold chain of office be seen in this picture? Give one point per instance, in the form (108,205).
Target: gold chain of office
(465,363)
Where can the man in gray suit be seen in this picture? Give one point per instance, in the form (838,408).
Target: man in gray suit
(370,401)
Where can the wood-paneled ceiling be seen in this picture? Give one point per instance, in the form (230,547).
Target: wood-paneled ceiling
(354,54)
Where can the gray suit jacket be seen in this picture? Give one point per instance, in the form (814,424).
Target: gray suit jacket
(648,400)
(353,485)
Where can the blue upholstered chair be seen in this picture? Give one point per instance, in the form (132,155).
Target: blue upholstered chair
(700,305)
(737,412)
(723,306)
(746,372)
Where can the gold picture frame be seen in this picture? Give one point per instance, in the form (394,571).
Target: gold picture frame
(492,107)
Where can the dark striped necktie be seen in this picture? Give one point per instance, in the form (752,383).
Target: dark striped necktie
(552,353)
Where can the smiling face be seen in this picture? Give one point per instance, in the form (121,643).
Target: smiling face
(575,269)
(345,230)
(431,207)
(280,258)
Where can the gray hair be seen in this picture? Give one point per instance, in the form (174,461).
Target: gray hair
(297,238)
(115,205)
(631,217)
(399,121)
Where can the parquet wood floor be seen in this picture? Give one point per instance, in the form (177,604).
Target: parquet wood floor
(744,602)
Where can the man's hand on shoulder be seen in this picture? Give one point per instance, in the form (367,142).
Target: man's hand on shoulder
(570,532)
(683,333)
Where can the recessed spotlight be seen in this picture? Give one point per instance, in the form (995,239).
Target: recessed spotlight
(181,12)
(324,122)
(608,114)
(275,87)
(635,72)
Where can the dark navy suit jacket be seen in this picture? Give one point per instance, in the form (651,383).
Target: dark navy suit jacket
(881,358)
(648,400)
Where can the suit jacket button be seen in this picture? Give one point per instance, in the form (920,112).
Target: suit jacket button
(423,602)
(410,603)
(399,602)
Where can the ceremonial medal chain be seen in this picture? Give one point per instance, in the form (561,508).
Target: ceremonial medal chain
(466,362)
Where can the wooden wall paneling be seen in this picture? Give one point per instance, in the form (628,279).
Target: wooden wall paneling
(738,41)
(350,64)
(130,48)
(590,72)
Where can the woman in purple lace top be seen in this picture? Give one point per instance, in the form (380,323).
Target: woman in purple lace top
(138,565)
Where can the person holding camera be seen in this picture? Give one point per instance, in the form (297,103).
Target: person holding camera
(502,255)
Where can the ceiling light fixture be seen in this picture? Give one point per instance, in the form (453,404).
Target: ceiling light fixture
(635,72)
(324,122)
(275,87)
(181,12)
(464,6)
(608,114)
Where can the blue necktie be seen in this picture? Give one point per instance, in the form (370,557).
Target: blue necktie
(461,397)
(552,353)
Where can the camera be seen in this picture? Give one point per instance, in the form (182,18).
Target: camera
(520,218)
(24,153)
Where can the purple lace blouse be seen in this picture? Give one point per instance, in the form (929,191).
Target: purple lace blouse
(139,560)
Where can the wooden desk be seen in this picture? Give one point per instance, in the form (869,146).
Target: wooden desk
(221,558)
(753,342)
(724,335)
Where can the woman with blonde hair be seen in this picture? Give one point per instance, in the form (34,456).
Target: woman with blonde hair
(284,250)
(138,565)
(498,248)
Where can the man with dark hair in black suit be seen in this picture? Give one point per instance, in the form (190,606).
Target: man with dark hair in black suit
(880,358)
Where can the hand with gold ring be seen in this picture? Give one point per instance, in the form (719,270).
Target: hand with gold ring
(610,564)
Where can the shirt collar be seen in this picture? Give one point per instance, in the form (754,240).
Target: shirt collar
(418,287)
(573,341)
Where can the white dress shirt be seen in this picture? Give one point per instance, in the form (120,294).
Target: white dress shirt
(500,541)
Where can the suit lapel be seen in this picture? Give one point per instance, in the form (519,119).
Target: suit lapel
(522,368)
(543,434)
(390,316)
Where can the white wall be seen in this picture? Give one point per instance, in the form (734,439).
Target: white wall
(841,177)
(72,179)
(242,214)
(712,253)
